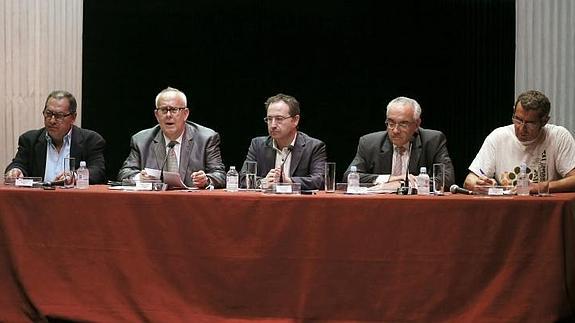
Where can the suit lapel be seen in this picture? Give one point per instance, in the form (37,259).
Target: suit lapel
(269,160)
(40,151)
(386,156)
(415,155)
(186,150)
(76,143)
(159,149)
(296,153)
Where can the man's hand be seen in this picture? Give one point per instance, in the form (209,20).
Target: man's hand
(384,186)
(145,176)
(398,178)
(14,172)
(273,176)
(472,181)
(485,181)
(60,177)
(200,179)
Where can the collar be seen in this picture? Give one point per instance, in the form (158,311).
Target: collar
(405,147)
(67,138)
(178,140)
(274,145)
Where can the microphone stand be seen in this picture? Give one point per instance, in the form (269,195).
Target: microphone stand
(290,148)
(405,188)
(170,145)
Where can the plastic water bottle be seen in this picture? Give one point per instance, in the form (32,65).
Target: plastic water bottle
(353,180)
(522,180)
(83,173)
(423,182)
(232,180)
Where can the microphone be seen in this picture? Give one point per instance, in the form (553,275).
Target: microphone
(406,192)
(454,189)
(170,145)
(290,148)
(53,183)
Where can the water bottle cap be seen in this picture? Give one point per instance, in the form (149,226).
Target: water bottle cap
(82,164)
(353,168)
(232,167)
(423,170)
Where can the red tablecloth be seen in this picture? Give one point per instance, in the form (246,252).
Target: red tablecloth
(106,256)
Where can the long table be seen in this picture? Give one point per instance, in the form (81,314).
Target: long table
(213,256)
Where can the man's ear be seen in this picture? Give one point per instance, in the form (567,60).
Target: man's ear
(296,119)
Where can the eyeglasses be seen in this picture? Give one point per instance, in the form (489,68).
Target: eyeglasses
(58,116)
(278,119)
(401,125)
(172,110)
(530,125)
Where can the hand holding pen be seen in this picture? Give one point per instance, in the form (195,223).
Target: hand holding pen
(484,180)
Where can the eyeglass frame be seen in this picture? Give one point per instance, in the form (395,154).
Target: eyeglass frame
(530,125)
(403,125)
(48,114)
(173,110)
(278,119)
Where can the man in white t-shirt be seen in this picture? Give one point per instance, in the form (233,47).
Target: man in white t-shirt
(531,140)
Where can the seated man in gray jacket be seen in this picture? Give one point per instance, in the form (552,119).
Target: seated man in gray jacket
(286,155)
(176,145)
(384,157)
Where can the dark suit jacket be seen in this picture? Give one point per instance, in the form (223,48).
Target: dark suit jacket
(200,151)
(307,165)
(375,154)
(85,145)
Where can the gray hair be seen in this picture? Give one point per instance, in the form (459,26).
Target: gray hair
(171,89)
(61,94)
(534,100)
(404,101)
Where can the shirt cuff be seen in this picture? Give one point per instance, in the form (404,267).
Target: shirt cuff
(381,179)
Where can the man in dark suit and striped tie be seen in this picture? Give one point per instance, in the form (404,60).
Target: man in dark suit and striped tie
(384,157)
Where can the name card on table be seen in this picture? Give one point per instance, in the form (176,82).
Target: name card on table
(24,182)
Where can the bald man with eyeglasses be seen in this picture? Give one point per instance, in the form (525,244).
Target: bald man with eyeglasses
(529,139)
(192,149)
(384,157)
(41,152)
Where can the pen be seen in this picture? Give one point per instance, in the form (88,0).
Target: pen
(485,175)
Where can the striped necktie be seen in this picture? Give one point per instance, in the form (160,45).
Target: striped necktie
(172,159)
(397,167)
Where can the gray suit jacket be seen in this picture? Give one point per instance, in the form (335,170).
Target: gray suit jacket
(200,151)
(86,145)
(375,154)
(307,165)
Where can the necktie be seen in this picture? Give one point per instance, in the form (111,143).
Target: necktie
(397,167)
(172,160)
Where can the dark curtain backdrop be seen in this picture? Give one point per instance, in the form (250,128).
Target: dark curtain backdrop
(343,60)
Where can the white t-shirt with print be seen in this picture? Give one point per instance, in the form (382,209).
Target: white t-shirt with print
(502,153)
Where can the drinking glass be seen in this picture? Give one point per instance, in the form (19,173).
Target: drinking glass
(438,179)
(69,172)
(543,185)
(330,177)
(251,171)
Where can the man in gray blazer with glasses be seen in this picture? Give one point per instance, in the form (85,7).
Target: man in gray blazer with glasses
(196,149)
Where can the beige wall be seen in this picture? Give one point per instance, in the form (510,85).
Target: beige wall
(40,51)
(545,54)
